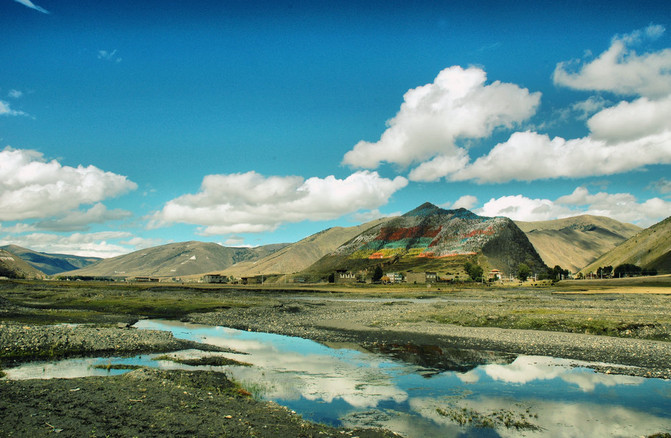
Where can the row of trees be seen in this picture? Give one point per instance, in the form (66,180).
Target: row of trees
(624,270)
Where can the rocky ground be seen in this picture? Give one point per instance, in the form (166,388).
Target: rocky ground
(490,325)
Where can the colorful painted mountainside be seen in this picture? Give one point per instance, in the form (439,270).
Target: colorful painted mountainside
(13,266)
(649,249)
(50,264)
(431,238)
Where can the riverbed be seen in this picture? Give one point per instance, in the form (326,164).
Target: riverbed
(347,385)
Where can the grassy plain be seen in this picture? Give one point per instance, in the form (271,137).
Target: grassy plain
(633,307)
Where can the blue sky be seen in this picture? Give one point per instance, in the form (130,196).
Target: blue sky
(127,124)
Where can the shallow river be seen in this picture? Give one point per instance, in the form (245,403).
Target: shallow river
(528,396)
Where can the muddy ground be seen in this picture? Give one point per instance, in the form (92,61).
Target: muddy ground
(630,332)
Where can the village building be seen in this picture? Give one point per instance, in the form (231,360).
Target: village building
(495,274)
(344,276)
(215,278)
(394,277)
(421,277)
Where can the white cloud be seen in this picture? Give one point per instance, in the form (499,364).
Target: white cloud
(15,94)
(629,121)
(466,201)
(521,208)
(31,187)
(32,5)
(528,156)
(439,166)
(81,244)
(620,69)
(457,105)
(6,110)
(250,202)
(80,220)
(623,207)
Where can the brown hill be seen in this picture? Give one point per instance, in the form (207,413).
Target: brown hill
(429,238)
(174,260)
(13,266)
(575,242)
(298,256)
(649,249)
(50,264)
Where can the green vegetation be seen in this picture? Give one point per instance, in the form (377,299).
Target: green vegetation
(474,271)
(216,361)
(118,366)
(56,302)
(523,272)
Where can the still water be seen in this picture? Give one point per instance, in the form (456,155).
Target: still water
(349,386)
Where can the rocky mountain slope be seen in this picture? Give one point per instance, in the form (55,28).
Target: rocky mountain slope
(650,249)
(300,255)
(51,264)
(13,266)
(431,238)
(575,242)
(174,260)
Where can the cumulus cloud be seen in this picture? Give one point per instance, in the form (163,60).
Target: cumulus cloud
(32,5)
(433,117)
(81,220)
(31,187)
(528,156)
(620,69)
(620,206)
(250,202)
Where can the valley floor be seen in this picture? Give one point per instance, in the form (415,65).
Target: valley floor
(597,322)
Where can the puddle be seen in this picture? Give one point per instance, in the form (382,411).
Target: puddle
(350,386)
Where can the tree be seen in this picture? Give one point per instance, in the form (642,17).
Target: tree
(557,273)
(523,271)
(474,271)
(627,270)
(377,274)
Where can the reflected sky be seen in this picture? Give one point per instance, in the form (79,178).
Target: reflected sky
(352,387)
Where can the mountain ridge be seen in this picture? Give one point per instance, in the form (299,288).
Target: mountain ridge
(650,249)
(576,241)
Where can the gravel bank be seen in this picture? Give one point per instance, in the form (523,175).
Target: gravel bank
(380,322)
(24,342)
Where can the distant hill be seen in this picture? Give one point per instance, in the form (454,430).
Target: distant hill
(650,248)
(50,264)
(174,260)
(13,266)
(429,238)
(575,242)
(298,256)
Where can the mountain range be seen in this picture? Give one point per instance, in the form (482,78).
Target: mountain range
(649,249)
(574,242)
(174,260)
(12,266)
(426,238)
(51,264)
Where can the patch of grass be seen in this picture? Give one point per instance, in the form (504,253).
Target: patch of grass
(118,366)
(203,361)
(496,418)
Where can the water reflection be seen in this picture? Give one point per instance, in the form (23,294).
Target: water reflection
(527,396)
